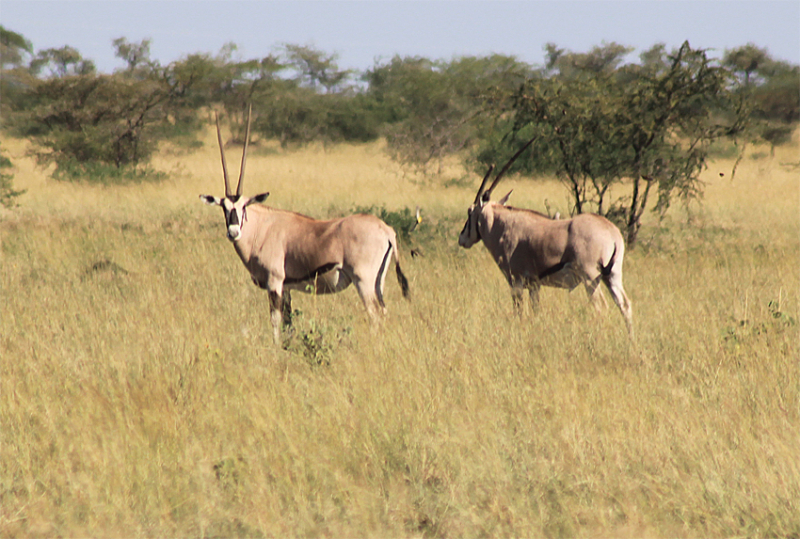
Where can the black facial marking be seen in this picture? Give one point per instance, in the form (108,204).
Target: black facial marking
(465,230)
(477,228)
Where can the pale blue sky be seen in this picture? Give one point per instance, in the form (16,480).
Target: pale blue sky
(362,31)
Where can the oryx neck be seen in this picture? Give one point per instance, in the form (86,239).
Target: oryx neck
(244,247)
(513,209)
(485,220)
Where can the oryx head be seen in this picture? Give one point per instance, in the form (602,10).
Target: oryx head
(234,206)
(470,234)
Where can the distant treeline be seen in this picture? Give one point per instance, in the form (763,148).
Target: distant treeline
(598,120)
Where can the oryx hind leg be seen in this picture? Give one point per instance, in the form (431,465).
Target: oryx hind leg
(370,281)
(368,292)
(372,302)
(595,294)
(614,284)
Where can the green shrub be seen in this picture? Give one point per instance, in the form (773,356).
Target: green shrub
(402,221)
(104,174)
(7,192)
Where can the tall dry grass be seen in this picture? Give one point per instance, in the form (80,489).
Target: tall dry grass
(140,394)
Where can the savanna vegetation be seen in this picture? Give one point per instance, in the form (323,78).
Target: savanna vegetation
(646,127)
(141,395)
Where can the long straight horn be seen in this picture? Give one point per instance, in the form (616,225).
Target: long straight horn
(244,152)
(222,154)
(483,183)
(507,165)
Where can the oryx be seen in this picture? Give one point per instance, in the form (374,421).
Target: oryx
(286,251)
(533,250)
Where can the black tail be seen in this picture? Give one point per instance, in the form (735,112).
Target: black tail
(401,279)
(605,271)
(379,278)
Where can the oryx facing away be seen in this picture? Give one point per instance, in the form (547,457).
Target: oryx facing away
(286,251)
(533,250)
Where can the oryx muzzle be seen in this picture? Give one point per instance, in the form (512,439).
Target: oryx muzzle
(533,250)
(286,251)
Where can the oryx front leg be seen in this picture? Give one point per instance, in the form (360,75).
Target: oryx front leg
(518,288)
(276,309)
(286,309)
(533,294)
(517,292)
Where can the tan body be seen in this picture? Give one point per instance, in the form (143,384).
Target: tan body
(533,250)
(532,247)
(286,251)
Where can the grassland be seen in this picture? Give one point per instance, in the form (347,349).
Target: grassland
(140,394)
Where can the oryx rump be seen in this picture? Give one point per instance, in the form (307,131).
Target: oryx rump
(286,251)
(533,250)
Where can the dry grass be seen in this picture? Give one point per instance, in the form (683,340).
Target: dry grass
(140,394)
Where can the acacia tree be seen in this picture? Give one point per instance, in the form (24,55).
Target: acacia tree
(250,81)
(648,128)
(315,69)
(7,191)
(136,55)
(62,62)
(14,48)
(314,101)
(774,88)
(297,96)
(601,59)
(84,122)
(425,115)
(435,109)
(15,77)
(236,83)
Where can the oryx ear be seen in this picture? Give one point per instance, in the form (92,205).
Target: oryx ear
(503,200)
(211,201)
(258,198)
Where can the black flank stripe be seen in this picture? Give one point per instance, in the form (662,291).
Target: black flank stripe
(313,275)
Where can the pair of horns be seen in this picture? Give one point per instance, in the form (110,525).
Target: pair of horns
(244,155)
(488,193)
